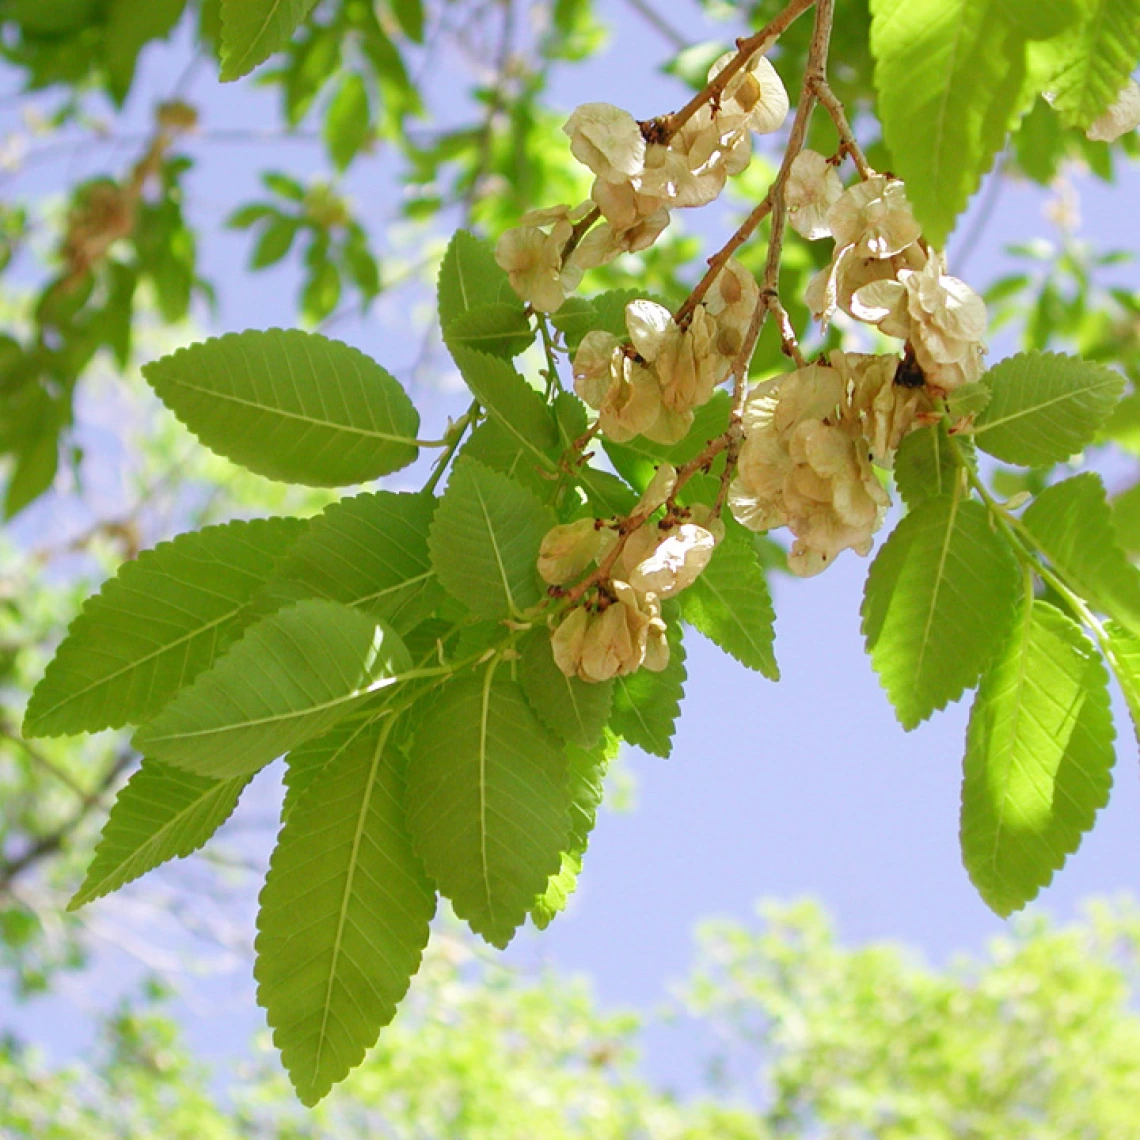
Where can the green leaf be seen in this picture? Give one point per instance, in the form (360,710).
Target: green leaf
(499,329)
(344,916)
(290,405)
(252,30)
(646,705)
(162,813)
(469,278)
(730,604)
(371,552)
(517,408)
(1096,60)
(925,467)
(953,78)
(348,121)
(130,27)
(410,16)
(1126,519)
(304,764)
(162,620)
(488,801)
(1122,648)
(274,242)
(1071,522)
(940,598)
(289,679)
(500,449)
(572,709)
(1045,407)
(1038,758)
(587,787)
(484,541)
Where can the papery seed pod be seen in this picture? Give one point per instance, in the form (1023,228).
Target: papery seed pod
(566,550)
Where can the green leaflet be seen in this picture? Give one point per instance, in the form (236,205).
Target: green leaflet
(646,705)
(290,405)
(940,596)
(469,277)
(485,538)
(572,709)
(730,604)
(496,447)
(499,329)
(289,679)
(344,916)
(604,312)
(130,27)
(953,78)
(1039,755)
(488,801)
(348,121)
(1045,407)
(162,813)
(587,787)
(1122,648)
(252,30)
(1071,522)
(369,551)
(1094,62)
(306,762)
(925,466)
(1126,519)
(512,403)
(155,626)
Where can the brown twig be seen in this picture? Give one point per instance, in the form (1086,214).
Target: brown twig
(718,261)
(847,141)
(579,232)
(746,47)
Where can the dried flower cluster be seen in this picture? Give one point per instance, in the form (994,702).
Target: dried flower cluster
(639,180)
(618,627)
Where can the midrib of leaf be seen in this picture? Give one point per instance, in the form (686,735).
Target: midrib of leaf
(761,648)
(494,546)
(484,716)
(342,917)
(1035,408)
(308,710)
(939,579)
(137,662)
(1026,628)
(281,412)
(395,588)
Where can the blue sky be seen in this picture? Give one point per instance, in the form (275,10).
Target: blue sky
(805,787)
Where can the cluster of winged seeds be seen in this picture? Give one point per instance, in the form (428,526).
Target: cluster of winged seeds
(809,439)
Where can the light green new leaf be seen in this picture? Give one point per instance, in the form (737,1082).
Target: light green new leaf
(162,813)
(1045,407)
(940,598)
(587,787)
(469,278)
(289,679)
(348,121)
(1122,648)
(344,916)
(573,709)
(252,30)
(290,405)
(925,466)
(484,541)
(155,626)
(953,78)
(1096,61)
(1039,755)
(646,705)
(488,801)
(517,408)
(1071,522)
(500,329)
(371,552)
(730,604)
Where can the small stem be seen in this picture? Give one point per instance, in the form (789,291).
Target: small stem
(552,380)
(848,143)
(745,49)
(454,437)
(789,342)
(718,261)
(579,232)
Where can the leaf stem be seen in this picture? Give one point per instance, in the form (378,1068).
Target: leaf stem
(452,440)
